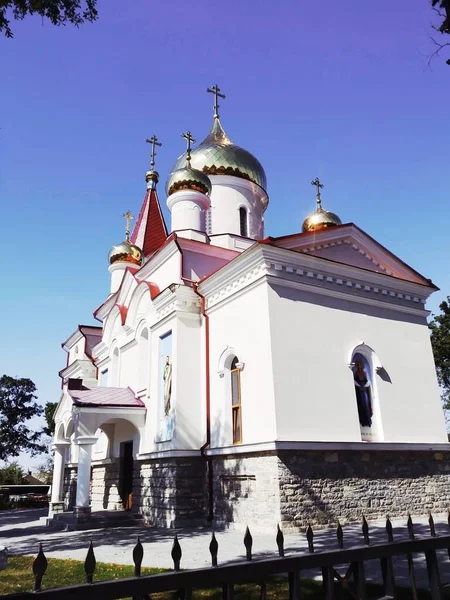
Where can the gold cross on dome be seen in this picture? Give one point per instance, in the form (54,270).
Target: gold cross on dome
(154,142)
(318,185)
(215,89)
(189,140)
(128,218)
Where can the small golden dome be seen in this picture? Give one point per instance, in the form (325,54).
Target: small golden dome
(125,252)
(152,175)
(188,178)
(320,219)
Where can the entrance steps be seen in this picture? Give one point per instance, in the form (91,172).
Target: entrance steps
(100,519)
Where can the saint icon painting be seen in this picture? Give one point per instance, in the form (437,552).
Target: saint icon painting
(363,390)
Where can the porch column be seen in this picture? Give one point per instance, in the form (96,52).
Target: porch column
(57,502)
(82,506)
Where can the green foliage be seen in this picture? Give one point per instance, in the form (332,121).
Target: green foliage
(17,406)
(12,475)
(58,12)
(442,8)
(440,341)
(49,412)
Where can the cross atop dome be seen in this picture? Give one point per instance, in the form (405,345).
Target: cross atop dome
(318,185)
(215,89)
(128,218)
(189,139)
(154,142)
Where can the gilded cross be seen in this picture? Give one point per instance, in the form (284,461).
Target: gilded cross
(154,142)
(189,139)
(216,91)
(128,217)
(318,185)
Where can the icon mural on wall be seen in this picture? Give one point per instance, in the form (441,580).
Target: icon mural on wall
(165,388)
(364,395)
(167,379)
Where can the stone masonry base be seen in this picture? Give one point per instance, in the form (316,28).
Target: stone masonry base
(171,492)
(294,488)
(297,488)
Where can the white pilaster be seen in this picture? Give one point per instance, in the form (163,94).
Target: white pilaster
(56,502)
(82,506)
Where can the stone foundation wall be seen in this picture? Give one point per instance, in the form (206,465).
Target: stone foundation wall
(246,491)
(172,492)
(321,487)
(69,487)
(297,488)
(105,486)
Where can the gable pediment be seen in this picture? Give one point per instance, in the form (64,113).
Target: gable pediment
(350,245)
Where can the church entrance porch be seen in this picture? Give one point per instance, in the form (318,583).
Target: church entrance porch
(97,432)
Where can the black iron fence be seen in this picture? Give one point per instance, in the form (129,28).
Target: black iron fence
(260,572)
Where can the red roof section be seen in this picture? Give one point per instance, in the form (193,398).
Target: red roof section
(150,232)
(105,396)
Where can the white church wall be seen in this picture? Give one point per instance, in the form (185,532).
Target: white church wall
(189,385)
(242,327)
(227,196)
(312,342)
(128,375)
(164,273)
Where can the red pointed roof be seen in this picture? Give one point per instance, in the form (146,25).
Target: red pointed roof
(150,231)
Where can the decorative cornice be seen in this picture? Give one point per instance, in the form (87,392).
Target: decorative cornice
(293,269)
(78,367)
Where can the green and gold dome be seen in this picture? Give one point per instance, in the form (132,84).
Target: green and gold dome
(217,155)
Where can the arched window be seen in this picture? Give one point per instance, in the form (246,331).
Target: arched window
(113,379)
(243,221)
(236,408)
(143,360)
(366,394)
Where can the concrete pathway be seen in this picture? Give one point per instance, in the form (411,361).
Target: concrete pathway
(21,532)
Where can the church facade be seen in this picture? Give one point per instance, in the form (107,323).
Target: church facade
(238,378)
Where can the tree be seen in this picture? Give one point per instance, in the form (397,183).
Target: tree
(440,341)
(442,8)
(58,12)
(49,411)
(17,406)
(12,475)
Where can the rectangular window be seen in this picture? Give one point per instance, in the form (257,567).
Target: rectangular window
(236,405)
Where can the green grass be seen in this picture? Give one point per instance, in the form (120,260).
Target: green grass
(18,577)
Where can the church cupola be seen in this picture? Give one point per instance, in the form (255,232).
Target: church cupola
(237,177)
(123,255)
(320,218)
(188,191)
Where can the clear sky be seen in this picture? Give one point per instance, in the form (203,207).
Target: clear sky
(341,90)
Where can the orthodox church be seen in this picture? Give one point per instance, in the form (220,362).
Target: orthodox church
(236,378)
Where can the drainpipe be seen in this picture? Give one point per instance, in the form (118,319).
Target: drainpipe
(209,464)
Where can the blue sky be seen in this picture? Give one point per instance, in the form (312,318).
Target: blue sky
(338,90)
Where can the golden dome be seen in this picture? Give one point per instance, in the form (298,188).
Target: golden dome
(125,252)
(320,219)
(187,178)
(217,155)
(152,175)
